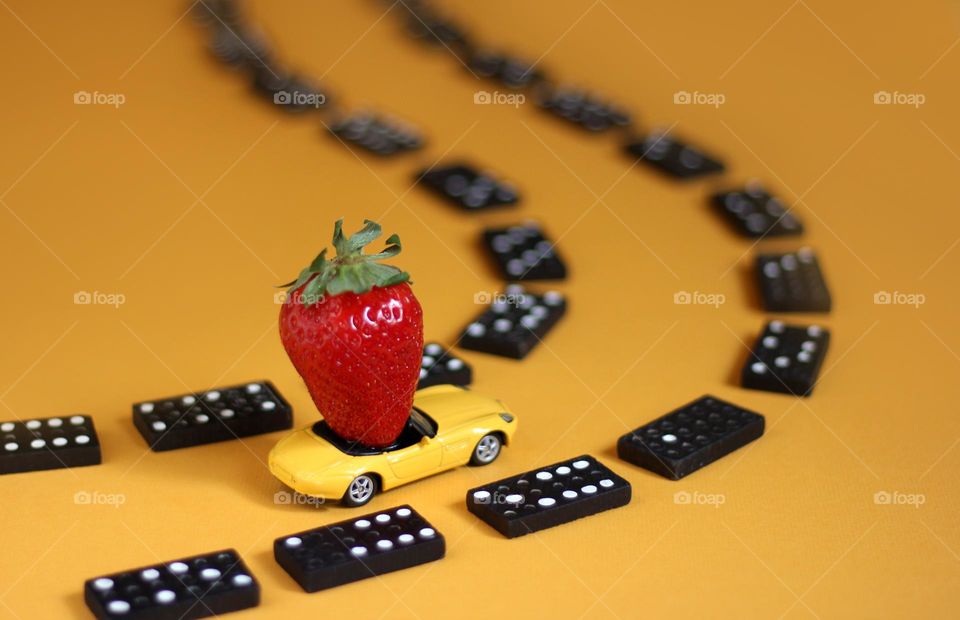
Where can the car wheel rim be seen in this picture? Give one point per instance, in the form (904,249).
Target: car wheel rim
(361,489)
(488,449)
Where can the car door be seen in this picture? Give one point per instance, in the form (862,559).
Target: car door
(420,459)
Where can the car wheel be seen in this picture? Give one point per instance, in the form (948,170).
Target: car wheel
(361,490)
(487,450)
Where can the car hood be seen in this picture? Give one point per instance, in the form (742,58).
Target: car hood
(302,453)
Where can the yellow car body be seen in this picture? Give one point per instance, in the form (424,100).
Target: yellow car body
(309,462)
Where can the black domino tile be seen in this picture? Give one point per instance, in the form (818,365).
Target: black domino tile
(792,282)
(439,366)
(378,135)
(215,415)
(355,549)
(786,359)
(674,157)
(425,24)
(690,437)
(216,12)
(467,188)
(753,212)
(239,46)
(196,587)
(514,323)
(523,253)
(583,109)
(48,443)
(509,71)
(548,496)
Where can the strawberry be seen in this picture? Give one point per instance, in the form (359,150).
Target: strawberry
(354,331)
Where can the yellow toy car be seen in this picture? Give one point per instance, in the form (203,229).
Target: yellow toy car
(448,427)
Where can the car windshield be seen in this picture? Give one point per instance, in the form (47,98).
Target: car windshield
(423,423)
(419,425)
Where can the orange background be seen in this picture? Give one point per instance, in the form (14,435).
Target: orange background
(194,198)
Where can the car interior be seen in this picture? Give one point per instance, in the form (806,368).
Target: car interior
(419,425)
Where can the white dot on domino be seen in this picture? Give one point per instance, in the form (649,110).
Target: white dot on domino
(103,584)
(165,597)
(242,580)
(178,568)
(118,607)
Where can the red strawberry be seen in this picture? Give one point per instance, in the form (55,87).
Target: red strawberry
(354,331)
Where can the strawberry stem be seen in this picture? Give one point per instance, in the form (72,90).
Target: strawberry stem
(351,269)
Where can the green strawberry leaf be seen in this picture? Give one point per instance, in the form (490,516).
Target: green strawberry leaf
(350,270)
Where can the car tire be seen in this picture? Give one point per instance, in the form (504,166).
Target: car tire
(487,450)
(361,491)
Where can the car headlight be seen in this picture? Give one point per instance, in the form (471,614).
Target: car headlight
(506,417)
